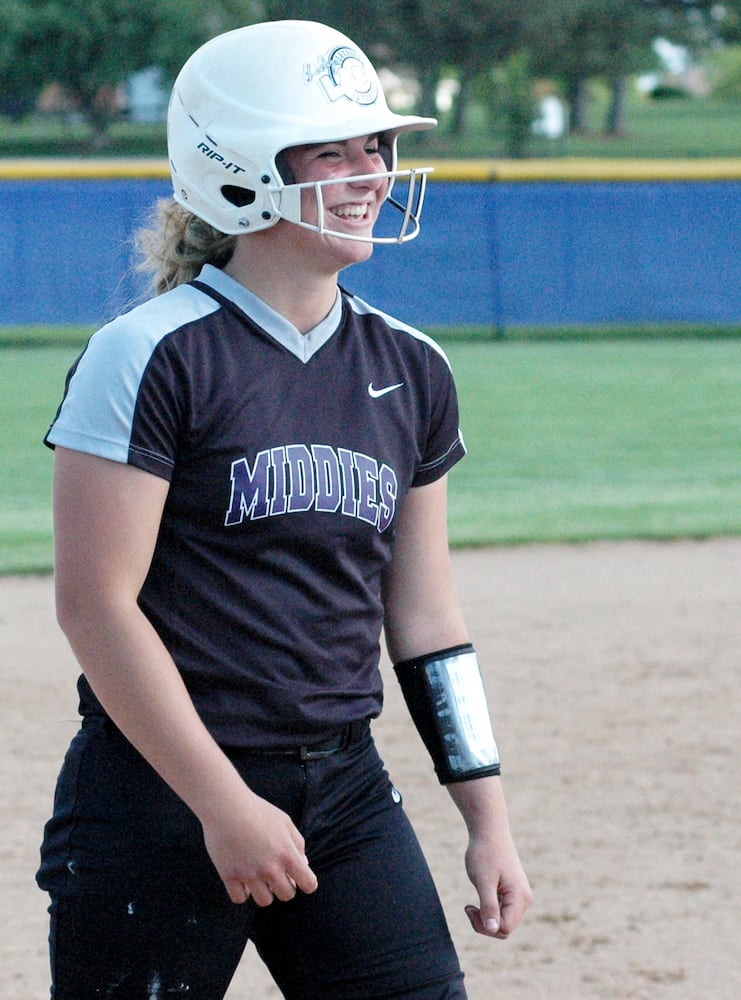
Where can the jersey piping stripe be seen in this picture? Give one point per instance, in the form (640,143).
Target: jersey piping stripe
(364,309)
(124,348)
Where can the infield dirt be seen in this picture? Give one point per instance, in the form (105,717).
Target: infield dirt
(613,674)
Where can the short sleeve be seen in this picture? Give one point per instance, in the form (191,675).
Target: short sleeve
(445,446)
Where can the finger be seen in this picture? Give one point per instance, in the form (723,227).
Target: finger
(489,913)
(488,926)
(302,876)
(237,891)
(283,888)
(284,885)
(261,893)
(513,910)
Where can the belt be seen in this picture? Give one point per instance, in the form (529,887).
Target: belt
(348,736)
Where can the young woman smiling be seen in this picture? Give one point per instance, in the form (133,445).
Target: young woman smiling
(249,488)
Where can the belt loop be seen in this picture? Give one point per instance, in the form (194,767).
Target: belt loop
(349,735)
(352,733)
(306,753)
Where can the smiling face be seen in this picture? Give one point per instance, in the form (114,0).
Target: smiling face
(348,207)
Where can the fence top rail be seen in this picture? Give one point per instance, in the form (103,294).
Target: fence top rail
(557,169)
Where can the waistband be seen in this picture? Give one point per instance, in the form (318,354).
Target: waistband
(351,734)
(348,736)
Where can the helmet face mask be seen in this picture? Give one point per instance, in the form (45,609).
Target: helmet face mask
(247,96)
(288,204)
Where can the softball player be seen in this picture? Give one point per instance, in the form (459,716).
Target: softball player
(250,481)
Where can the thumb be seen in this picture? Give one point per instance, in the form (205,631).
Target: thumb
(486,919)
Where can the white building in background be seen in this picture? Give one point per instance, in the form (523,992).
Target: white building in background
(146,96)
(678,70)
(552,121)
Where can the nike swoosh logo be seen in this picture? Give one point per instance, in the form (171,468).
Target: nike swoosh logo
(377,393)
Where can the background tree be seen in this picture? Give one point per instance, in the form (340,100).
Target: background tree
(16,96)
(91,47)
(513,103)
(360,20)
(626,33)
(576,41)
(183,25)
(728,21)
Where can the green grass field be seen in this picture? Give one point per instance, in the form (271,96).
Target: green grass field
(682,127)
(567,440)
(570,441)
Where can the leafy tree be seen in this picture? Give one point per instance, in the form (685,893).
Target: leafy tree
(513,102)
(87,47)
(728,21)
(183,25)
(16,96)
(468,36)
(90,47)
(577,40)
(360,20)
(700,24)
(627,33)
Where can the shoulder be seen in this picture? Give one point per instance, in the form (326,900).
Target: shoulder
(118,370)
(396,328)
(140,331)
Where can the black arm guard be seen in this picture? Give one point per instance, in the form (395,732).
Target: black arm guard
(445,696)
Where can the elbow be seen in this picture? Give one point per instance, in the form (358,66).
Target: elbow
(72,608)
(85,609)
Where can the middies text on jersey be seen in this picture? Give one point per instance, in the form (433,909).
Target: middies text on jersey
(296,478)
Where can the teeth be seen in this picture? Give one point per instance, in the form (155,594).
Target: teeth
(351,211)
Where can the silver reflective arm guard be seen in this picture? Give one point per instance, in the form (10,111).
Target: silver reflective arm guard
(445,695)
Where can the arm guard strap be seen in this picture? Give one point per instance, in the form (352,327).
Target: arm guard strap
(445,695)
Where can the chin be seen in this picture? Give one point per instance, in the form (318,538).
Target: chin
(350,251)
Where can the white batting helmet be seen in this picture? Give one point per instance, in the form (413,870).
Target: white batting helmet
(247,95)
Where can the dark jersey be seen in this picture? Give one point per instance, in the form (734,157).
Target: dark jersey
(288,458)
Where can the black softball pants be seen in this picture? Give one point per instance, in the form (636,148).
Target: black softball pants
(138,910)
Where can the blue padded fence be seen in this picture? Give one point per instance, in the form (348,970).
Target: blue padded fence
(533,252)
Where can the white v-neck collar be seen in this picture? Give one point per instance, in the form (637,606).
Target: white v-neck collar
(303,345)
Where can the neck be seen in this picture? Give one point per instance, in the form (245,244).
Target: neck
(301,294)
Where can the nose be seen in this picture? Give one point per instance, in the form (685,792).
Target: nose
(361,162)
(365,165)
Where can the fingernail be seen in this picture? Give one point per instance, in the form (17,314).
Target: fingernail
(491,925)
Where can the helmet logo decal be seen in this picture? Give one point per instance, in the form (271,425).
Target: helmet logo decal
(212,154)
(343,73)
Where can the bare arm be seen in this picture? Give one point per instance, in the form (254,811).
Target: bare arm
(107,517)
(423,614)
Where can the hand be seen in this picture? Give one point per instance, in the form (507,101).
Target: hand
(258,853)
(496,871)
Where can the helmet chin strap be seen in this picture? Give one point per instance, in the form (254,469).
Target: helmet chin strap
(286,203)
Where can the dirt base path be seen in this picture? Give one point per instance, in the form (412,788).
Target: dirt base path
(613,672)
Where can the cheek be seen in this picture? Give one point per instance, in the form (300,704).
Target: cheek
(309,211)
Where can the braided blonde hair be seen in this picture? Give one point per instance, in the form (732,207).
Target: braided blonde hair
(176,244)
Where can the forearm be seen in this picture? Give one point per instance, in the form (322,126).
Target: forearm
(492,861)
(107,519)
(482,805)
(255,847)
